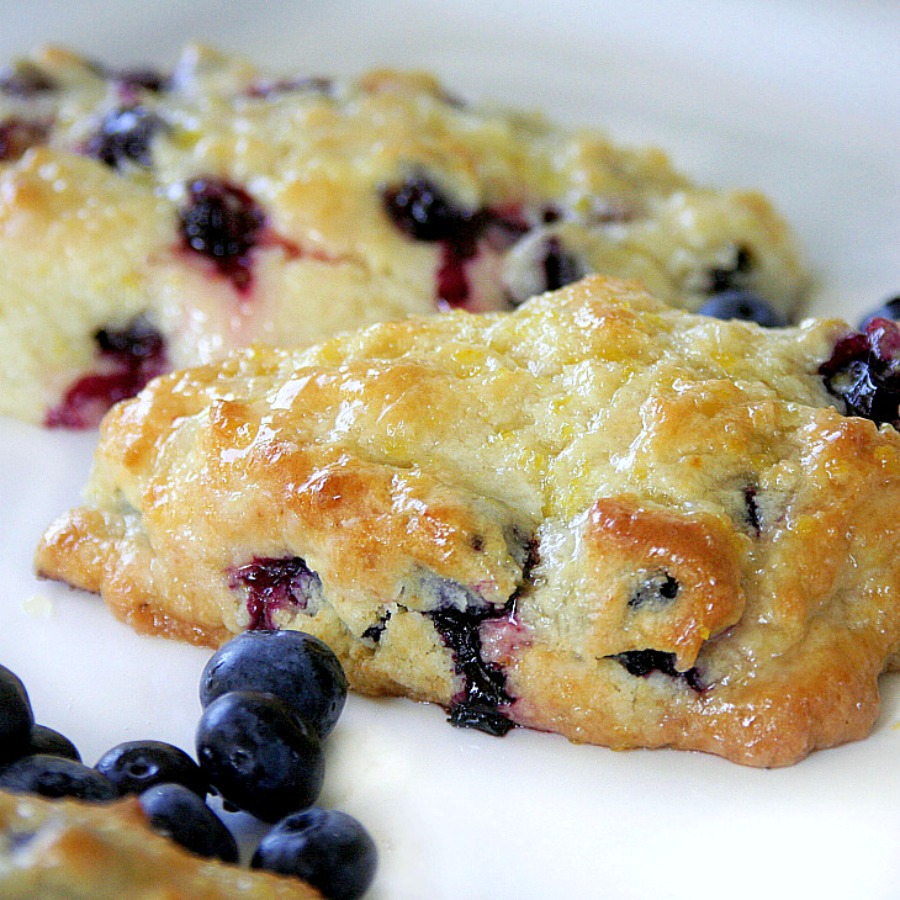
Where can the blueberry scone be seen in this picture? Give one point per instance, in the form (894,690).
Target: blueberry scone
(69,849)
(151,221)
(596,515)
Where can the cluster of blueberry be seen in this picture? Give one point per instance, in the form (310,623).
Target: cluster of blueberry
(270,698)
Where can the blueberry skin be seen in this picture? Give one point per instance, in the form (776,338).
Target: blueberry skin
(135,766)
(421,210)
(890,309)
(50,742)
(259,755)
(55,777)
(297,668)
(16,716)
(179,814)
(326,848)
(220,220)
(742,305)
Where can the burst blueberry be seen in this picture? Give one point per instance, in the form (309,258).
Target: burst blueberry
(220,220)
(421,210)
(328,849)
(131,355)
(484,691)
(642,663)
(864,372)
(275,583)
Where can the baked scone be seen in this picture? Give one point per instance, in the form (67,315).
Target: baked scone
(150,221)
(596,515)
(68,849)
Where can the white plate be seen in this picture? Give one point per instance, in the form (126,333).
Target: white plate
(797,98)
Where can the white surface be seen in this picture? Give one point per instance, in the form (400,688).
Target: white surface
(801,99)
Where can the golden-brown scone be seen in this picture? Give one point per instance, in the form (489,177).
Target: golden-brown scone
(596,515)
(150,221)
(68,850)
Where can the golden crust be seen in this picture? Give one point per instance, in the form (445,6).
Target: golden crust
(86,246)
(656,526)
(67,849)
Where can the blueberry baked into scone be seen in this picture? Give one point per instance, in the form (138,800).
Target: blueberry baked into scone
(596,515)
(154,220)
(72,849)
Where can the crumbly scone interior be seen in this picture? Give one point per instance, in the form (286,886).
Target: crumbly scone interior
(597,515)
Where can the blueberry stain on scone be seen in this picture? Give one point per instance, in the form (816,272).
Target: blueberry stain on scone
(127,358)
(233,206)
(480,704)
(420,209)
(273,585)
(221,222)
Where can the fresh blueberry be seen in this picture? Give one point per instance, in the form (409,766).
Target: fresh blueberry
(179,814)
(298,668)
(16,716)
(135,766)
(743,305)
(328,849)
(125,136)
(890,309)
(46,740)
(259,755)
(54,777)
